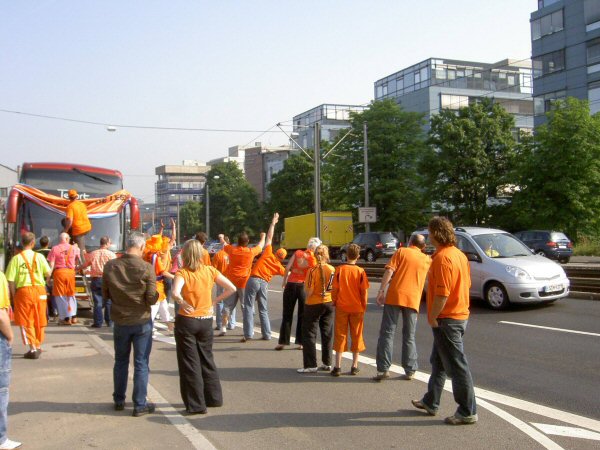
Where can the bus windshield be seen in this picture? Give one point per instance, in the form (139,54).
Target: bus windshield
(43,222)
(58,182)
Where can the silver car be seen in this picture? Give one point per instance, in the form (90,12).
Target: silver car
(504,270)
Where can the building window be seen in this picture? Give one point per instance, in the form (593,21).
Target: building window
(548,63)
(544,103)
(544,3)
(593,51)
(453,101)
(424,74)
(417,77)
(547,24)
(3,192)
(400,83)
(592,14)
(594,97)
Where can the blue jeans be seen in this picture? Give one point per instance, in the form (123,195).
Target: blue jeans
(385,344)
(5,364)
(230,303)
(100,303)
(256,289)
(448,359)
(219,312)
(140,337)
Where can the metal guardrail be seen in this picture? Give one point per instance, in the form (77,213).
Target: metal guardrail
(584,278)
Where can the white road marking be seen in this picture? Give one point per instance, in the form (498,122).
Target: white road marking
(482,396)
(192,434)
(273,290)
(564,330)
(567,431)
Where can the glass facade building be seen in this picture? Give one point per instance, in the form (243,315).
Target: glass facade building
(565,42)
(437,83)
(332,119)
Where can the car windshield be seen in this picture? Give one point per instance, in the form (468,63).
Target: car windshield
(501,245)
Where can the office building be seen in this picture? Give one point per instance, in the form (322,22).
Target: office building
(261,163)
(332,119)
(177,185)
(235,154)
(437,83)
(565,42)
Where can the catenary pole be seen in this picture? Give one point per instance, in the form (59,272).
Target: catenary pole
(366,168)
(317,160)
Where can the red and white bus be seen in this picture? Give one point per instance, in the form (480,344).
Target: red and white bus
(28,212)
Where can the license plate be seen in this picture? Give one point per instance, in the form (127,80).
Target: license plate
(562,246)
(553,288)
(80,289)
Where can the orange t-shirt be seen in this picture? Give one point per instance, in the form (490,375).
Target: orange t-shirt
(267,265)
(410,266)
(240,264)
(206,258)
(321,288)
(350,288)
(303,260)
(220,261)
(197,290)
(77,212)
(450,276)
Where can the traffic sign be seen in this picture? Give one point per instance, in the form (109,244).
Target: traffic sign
(367,215)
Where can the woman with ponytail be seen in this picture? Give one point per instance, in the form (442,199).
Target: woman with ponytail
(318,312)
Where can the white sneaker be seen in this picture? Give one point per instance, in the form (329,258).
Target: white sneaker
(8,444)
(325,368)
(307,370)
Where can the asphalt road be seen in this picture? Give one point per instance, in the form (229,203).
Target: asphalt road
(555,368)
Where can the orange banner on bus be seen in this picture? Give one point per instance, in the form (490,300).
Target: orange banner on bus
(96,207)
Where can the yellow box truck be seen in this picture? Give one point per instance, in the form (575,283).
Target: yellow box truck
(336,230)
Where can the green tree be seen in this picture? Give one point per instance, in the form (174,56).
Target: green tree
(469,160)
(395,143)
(560,172)
(291,189)
(191,219)
(234,205)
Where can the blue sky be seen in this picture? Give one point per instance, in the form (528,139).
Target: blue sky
(227,65)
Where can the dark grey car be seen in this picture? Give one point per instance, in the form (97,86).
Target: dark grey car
(373,245)
(551,244)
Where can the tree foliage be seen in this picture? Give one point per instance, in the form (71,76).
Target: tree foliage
(469,160)
(395,144)
(560,172)
(234,205)
(191,219)
(291,189)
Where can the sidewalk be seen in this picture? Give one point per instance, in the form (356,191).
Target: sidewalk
(63,400)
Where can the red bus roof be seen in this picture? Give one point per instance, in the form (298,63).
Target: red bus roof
(67,166)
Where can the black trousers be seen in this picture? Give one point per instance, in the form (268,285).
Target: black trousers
(317,316)
(198,378)
(292,292)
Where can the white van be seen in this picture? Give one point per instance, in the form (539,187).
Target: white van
(504,270)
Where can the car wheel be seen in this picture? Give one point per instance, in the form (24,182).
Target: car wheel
(496,296)
(343,257)
(370,256)
(564,260)
(540,253)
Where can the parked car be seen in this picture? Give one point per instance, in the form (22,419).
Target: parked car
(504,270)
(551,244)
(373,245)
(214,247)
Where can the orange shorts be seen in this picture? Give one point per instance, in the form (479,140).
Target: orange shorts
(343,321)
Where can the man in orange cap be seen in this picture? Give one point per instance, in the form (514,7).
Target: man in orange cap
(77,220)
(268,265)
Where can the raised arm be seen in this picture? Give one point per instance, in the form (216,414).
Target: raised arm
(173,231)
(271,229)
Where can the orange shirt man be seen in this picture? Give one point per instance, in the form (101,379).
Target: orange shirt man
(238,271)
(349,293)
(404,278)
(77,220)
(268,265)
(447,313)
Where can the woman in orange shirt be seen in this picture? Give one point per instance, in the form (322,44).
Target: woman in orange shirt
(318,312)
(192,288)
